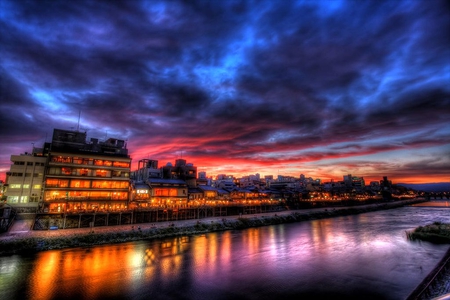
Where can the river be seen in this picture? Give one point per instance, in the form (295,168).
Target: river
(364,256)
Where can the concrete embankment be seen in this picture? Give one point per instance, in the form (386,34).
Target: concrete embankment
(33,241)
(436,284)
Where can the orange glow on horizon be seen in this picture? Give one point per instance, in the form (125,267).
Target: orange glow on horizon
(243,167)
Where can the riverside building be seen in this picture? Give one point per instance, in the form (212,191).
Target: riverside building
(23,187)
(162,187)
(86,176)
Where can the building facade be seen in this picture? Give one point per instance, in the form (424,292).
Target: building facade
(23,185)
(86,176)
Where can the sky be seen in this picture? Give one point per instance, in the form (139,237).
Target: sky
(320,88)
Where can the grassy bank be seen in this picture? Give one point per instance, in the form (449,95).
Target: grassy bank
(67,240)
(437,232)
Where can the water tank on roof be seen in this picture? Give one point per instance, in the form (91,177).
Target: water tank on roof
(190,165)
(169,164)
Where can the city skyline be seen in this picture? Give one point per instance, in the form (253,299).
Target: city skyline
(320,88)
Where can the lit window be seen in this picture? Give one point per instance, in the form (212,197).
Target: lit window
(13,199)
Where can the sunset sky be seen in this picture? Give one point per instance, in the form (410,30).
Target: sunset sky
(321,88)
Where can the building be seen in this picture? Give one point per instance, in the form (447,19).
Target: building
(354,182)
(202,179)
(168,193)
(23,187)
(181,170)
(86,176)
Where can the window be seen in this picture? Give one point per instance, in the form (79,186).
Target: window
(27,174)
(83,172)
(121,164)
(77,160)
(36,186)
(98,162)
(15,186)
(119,196)
(26,186)
(53,171)
(119,184)
(56,183)
(101,184)
(20,163)
(101,195)
(29,163)
(166,192)
(17,174)
(34,198)
(61,159)
(23,199)
(12,199)
(80,184)
(82,161)
(102,173)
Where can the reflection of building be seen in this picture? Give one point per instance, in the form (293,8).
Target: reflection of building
(86,176)
(24,180)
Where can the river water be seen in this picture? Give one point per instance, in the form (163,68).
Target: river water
(364,256)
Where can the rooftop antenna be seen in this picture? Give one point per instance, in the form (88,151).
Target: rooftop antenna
(79,115)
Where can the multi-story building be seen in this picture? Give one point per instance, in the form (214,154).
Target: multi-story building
(168,192)
(23,186)
(354,182)
(163,187)
(181,170)
(86,176)
(202,179)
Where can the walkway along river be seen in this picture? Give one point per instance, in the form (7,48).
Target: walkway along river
(349,257)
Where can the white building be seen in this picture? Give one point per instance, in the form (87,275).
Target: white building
(25,179)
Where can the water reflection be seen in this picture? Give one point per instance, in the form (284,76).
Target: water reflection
(363,256)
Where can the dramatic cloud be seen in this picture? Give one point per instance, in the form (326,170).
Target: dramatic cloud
(323,88)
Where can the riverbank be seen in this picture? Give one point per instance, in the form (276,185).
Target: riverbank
(34,241)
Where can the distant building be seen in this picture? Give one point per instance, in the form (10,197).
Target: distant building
(354,182)
(147,168)
(386,184)
(181,170)
(202,179)
(225,182)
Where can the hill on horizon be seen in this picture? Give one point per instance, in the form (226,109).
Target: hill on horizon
(428,187)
